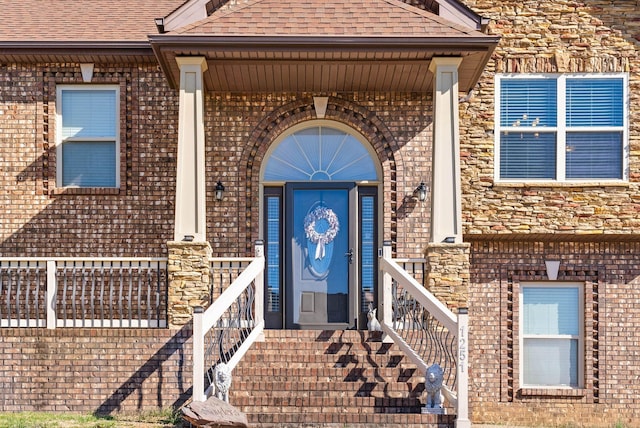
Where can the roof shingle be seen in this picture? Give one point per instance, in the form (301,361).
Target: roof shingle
(361,18)
(81,20)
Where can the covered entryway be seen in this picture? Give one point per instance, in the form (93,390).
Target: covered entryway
(320,182)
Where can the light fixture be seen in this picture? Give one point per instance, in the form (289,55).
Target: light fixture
(449,240)
(219,191)
(188,238)
(422,192)
(160,25)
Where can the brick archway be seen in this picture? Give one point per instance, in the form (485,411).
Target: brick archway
(339,110)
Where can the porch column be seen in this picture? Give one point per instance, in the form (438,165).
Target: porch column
(190,214)
(446,211)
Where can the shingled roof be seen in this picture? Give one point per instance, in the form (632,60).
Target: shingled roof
(362,18)
(81,20)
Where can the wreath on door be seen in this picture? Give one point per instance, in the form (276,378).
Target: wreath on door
(321,238)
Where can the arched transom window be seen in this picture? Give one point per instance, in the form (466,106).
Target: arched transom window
(320,153)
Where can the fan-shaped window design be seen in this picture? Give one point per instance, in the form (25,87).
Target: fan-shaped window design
(320,154)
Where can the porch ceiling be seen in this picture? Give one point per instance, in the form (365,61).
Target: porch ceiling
(322,64)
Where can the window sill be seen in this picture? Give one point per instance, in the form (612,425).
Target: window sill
(85,191)
(566,184)
(552,392)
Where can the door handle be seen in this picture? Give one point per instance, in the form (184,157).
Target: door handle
(349,255)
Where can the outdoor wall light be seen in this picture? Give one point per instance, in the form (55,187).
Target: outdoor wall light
(219,191)
(422,192)
(449,240)
(188,238)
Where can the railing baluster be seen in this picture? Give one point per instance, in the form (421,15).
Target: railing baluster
(111,285)
(83,308)
(102,318)
(9,287)
(94,318)
(18,295)
(3,272)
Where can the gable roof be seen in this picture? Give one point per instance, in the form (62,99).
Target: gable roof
(373,18)
(321,45)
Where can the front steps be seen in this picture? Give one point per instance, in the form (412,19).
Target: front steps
(342,379)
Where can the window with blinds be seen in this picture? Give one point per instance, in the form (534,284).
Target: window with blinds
(561,127)
(88,136)
(551,335)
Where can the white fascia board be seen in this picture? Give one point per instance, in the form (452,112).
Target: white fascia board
(191,11)
(454,11)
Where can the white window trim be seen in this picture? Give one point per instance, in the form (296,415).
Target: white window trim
(581,338)
(60,141)
(561,129)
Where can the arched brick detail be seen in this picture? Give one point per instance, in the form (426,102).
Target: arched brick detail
(339,110)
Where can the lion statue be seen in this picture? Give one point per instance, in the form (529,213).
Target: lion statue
(222,381)
(433,386)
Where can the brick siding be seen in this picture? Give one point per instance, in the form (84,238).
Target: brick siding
(94,370)
(610,273)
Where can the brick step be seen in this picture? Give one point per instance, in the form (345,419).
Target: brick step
(314,371)
(294,404)
(334,389)
(337,420)
(329,378)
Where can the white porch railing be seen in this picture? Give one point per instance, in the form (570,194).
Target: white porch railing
(83,292)
(227,329)
(427,331)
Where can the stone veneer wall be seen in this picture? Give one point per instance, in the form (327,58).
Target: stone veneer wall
(561,36)
(448,273)
(611,276)
(189,280)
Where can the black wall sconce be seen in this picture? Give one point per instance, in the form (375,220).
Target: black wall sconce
(219,191)
(422,192)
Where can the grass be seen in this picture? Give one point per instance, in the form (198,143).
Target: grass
(167,418)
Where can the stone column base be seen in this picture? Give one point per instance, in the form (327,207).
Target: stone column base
(188,270)
(448,273)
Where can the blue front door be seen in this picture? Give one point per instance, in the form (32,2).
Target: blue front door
(319,252)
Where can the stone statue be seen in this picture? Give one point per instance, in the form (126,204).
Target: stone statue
(373,324)
(433,386)
(222,381)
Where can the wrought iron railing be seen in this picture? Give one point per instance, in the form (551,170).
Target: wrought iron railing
(425,329)
(82,292)
(227,329)
(423,332)
(223,271)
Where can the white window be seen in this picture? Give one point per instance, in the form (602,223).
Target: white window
(561,127)
(88,136)
(551,345)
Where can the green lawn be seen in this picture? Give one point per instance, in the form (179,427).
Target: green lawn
(159,419)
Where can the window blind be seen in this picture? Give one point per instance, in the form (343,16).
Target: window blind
(549,312)
(88,113)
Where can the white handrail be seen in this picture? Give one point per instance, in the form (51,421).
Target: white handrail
(457,325)
(226,299)
(203,321)
(423,296)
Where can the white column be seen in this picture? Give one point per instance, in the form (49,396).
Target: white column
(446,211)
(190,216)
